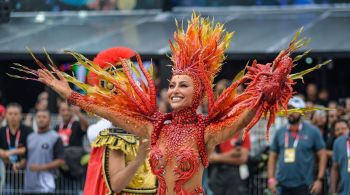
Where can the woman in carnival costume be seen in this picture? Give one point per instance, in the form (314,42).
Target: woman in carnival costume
(181,140)
(118,161)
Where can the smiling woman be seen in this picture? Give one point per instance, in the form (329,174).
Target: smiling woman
(180,92)
(179,147)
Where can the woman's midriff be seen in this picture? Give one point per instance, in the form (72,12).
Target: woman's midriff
(176,162)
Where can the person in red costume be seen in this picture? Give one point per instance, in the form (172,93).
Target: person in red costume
(181,139)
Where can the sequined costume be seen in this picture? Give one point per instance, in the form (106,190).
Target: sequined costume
(98,182)
(181,140)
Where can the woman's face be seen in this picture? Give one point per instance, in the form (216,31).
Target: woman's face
(180,92)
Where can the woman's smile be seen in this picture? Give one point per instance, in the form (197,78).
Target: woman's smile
(180,92)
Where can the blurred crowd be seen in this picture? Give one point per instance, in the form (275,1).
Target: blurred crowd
(44,145)
(63,5)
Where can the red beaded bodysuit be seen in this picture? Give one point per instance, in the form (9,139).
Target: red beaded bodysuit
(181,140)
(179,146)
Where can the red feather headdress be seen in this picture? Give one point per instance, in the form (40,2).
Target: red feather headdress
(107,59)
(199,53)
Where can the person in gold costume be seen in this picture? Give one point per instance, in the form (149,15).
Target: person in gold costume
(118,162)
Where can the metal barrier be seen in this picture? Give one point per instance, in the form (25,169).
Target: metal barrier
(2,174)
(257,184)
(14,183)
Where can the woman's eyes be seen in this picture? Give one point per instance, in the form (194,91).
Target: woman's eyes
(181,85)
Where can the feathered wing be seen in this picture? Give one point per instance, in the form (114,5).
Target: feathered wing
(269,88)
(133,100)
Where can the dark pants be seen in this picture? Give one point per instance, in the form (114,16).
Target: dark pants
(225,180)
(299,190)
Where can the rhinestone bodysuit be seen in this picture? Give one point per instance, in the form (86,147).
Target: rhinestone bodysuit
(178,146)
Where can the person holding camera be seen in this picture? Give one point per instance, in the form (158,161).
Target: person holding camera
(228,175)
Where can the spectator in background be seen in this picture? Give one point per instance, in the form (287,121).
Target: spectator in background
(341,127)
(340,174)
(347,108)
(341,108)
(70,130)
(41,104)
(72,133)
(308,115)
(228,157)
(13,136)
(43,96)
(338,129)
(2,116)
(13,145)
(332,117)
(293,148)
(332,104)
(319,119)
(323,97)
(311,92)
(226,177)
(45,154)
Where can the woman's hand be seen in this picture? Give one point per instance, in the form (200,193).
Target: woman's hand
(60,84)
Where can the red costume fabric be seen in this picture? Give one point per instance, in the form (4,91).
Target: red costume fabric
(230,144)
(95,183)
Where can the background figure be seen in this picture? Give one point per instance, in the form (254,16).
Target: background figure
(319,119)
(229,167)
(332,117)
(340,127)
(2,116)
(41,104)
(293,148)
(323,97)
(70,130)
(347,108)
(72,133)
(45,154)
(13,143)
(340,174)
(311,93)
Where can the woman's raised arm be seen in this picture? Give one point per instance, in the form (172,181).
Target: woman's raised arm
(139,127)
